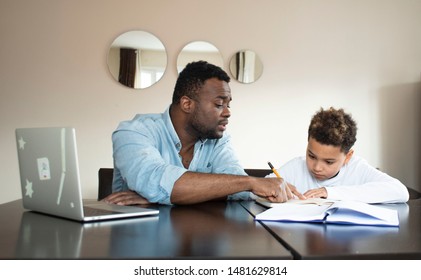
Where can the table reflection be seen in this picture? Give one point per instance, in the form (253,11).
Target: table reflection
(42,236)
(204,230)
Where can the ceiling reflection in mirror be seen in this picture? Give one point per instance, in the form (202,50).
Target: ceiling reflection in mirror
(137,59)
(246,66)
(199,50)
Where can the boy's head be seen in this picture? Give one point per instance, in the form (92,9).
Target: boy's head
(333,127)
(331,135)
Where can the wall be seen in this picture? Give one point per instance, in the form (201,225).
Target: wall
(363,55)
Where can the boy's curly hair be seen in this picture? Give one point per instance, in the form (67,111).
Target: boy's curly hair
(333,127)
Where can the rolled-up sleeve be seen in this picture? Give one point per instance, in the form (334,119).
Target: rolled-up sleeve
(141,167)
(225,161)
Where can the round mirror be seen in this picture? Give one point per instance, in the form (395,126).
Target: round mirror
(199,50)
(137,59)
(246,66)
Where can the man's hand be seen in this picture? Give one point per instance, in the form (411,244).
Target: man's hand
(276,190)
(125,198)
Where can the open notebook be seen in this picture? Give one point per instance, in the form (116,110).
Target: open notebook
(338,212)
(50,178)
(315,200)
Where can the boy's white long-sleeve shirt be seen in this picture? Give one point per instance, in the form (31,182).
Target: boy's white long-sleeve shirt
(356,180)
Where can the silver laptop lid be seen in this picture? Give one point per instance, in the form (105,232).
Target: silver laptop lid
(49,171)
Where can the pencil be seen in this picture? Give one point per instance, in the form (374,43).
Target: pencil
(274,170)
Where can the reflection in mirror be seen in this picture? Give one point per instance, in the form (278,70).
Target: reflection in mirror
(199,50)
(137,59)
(246,66)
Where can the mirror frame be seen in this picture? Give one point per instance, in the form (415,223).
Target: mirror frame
(199,50)
(246,66)
(137,59)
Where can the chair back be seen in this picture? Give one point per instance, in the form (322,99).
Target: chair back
(258,172)
(105,182)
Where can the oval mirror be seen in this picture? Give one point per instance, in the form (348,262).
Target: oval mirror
(199,50)
(246,66)
(137,59)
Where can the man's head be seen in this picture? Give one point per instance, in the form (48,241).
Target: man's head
(202,96)
(331,135)
(193,77)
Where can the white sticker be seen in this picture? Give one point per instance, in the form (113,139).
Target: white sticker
(44,169)
(29,189)
(22,143)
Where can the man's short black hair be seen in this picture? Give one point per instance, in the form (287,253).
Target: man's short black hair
(194,76)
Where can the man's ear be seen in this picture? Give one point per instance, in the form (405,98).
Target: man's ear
(186,104)
(349,156)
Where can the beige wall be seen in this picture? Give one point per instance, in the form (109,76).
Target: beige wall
(363,55)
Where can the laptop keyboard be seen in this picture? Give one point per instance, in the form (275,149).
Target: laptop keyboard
(91,212)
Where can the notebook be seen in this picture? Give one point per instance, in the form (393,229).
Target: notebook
(50,178)
(314,200)
(339,212)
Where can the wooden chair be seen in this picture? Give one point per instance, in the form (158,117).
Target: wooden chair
(105,181)
(258,172)
(413,194)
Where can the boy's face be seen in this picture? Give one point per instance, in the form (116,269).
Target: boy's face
(325,161)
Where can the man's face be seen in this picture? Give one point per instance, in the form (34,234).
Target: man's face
(325,161)
(211,112)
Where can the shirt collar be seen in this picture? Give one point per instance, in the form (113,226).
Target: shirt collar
(170,127)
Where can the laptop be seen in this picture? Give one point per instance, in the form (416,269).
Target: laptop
(50,178)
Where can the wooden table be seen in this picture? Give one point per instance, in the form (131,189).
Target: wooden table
(213,230)
(329,241)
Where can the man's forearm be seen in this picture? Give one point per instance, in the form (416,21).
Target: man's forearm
(193,187)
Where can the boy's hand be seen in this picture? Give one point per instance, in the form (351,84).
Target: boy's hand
(319,192)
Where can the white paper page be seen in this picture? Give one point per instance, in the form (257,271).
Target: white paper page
(294,212)
(361,213)
(317,201)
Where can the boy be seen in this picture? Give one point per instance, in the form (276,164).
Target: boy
(331,170)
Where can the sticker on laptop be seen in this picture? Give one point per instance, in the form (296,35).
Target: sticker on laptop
(44,169)
(28,188)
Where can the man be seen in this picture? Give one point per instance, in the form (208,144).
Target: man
(182,156)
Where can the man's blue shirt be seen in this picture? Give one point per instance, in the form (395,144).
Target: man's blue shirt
(146,157)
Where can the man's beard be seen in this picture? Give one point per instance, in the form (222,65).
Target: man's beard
(202,131)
